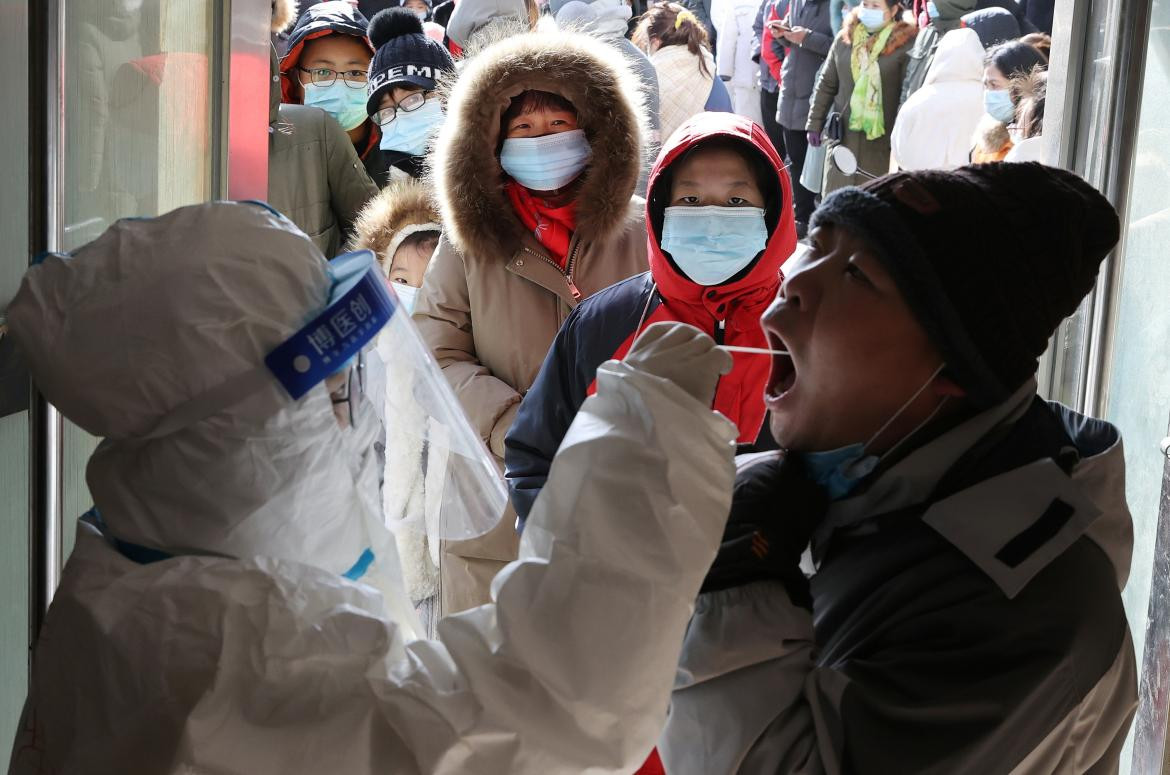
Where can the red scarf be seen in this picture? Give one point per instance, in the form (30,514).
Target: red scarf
(552,226)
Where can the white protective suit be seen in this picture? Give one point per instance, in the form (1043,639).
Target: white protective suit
(935,126)
(245,651)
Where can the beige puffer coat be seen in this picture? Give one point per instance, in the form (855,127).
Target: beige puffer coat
(493,299)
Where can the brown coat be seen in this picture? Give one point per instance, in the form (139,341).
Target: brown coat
(493,299)
(835,89)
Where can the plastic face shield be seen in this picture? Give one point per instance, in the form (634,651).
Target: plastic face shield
(463,492)
(456,489)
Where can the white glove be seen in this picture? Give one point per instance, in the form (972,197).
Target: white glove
(682,354)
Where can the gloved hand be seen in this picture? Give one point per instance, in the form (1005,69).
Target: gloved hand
(775,508)
(682,354)
(814,139)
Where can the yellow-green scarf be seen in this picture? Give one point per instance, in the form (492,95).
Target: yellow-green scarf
(866,111)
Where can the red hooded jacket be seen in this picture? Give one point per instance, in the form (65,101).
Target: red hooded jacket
(605,325)
(730,313)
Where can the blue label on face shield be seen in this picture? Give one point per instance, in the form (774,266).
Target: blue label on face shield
(359,306)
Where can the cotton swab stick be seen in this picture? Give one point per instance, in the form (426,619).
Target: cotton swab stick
(753,350)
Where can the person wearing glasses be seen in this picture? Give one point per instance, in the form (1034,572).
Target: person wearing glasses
(314,173)
(401,92)
(326,67)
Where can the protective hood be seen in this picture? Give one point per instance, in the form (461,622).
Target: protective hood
(470,17)
(959,59)
(399,210)
(755,290)
(336,17)
(156,336)
(469,182)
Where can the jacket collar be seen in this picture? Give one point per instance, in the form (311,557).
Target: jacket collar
(1011,525)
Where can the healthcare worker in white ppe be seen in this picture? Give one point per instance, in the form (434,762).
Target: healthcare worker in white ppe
(233,603)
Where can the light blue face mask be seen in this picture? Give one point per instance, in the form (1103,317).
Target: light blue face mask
(409,132)
(713,244)
(840,470)
(932,10)
(873,18)
(407,295)
(346,105)
(998,104)
(546,163)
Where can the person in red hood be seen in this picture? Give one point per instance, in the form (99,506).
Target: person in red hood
(720,221)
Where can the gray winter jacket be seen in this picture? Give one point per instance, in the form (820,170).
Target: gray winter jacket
(315,177)
(964,616)
(798,76)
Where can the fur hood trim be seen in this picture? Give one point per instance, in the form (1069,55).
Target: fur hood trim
(469,183)
(384,221)
(991,136)
(284,12)
(903,34)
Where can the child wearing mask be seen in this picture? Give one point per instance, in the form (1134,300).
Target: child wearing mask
(402,93)
(535,169)
(314,175)
(401,226)
(326,67)
(720,225)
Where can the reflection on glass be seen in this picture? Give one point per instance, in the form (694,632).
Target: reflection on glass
(137,136)
(1139,380)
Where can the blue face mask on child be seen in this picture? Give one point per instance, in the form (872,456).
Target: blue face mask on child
(546,163)
(346,105)
(873,18)
(409,132)
(713,244)
(998,104)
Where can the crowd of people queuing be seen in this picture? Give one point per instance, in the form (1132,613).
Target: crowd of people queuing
(562,196)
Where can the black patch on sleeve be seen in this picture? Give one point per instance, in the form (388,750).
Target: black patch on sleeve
(1040,532)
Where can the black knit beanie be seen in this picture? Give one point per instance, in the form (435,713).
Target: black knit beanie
(403,55)
(990,259)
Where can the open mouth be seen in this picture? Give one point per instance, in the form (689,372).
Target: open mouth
(783,376)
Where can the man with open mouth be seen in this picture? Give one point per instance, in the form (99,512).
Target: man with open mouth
(927,578)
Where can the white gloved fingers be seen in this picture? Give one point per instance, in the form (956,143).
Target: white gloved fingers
(682,354)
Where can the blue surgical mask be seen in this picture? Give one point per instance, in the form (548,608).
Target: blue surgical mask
(345,104)
(713,244)
(873,18)
(409,132)
(546,163)
(932,10)
(422,15)
(840,470)
(998,104)
(407,296)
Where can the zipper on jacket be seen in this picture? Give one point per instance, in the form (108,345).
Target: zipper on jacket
(567,271)
(720,331)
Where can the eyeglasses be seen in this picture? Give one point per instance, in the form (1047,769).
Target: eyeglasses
(354,389)
(323,76)
(408,104)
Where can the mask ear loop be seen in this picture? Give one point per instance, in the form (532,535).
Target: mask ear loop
(898,414)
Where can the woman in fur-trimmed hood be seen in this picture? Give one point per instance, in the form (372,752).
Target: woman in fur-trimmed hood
(528,231)
(862,82)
